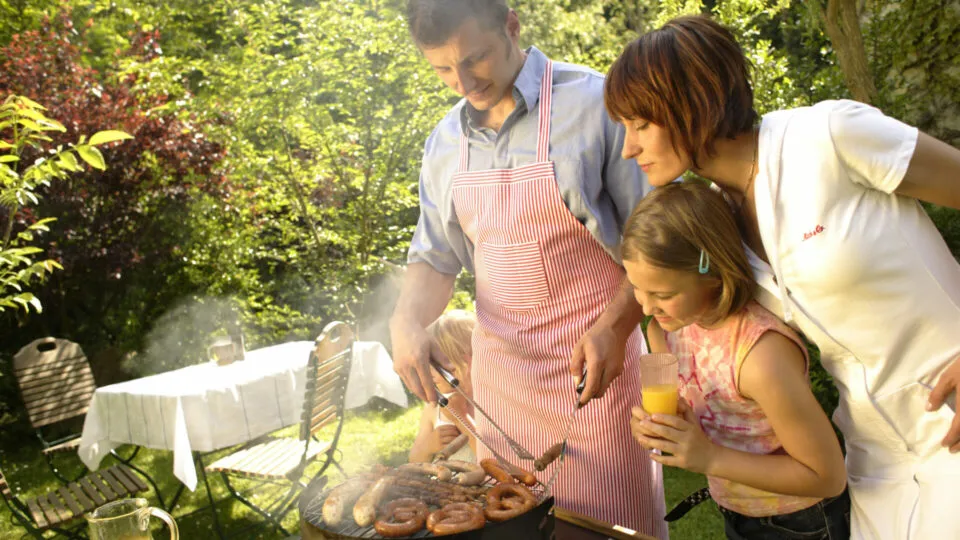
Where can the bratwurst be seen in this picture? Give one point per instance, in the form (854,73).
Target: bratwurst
(442,473)
(365,510)
(468,474)
(341,498)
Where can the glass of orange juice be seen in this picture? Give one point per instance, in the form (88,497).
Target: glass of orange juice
(658,383)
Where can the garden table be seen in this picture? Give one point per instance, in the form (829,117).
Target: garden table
(206,407)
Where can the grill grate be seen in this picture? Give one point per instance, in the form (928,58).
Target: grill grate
(312,514)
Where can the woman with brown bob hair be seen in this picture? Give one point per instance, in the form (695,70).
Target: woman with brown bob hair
(827,203)
(748,419)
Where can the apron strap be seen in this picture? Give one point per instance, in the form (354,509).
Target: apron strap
(546,97)
(464,153)
(543,125)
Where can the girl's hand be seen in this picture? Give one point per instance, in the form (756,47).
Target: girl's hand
(639,426)
(680,436)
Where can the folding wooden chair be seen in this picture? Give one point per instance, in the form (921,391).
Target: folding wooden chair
(57,384)
(283,460)
(60,510)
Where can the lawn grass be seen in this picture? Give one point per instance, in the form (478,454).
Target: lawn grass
(371,435)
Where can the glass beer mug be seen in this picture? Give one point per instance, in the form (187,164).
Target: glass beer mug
(127,519)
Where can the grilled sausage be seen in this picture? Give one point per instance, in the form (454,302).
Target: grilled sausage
(506,501)
(456,518)
(341,498)
(365,510)
(451,448)
(401,517)
(522,475)
(494,469)
(443,474)
(468,474)
(548,457)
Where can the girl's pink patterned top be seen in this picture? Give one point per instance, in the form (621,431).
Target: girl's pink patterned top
(709,365)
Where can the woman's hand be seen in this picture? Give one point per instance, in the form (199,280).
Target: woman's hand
(948,383)
(679,436)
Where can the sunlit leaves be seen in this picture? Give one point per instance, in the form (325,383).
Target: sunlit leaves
(103,137)
(92,157)
(18,269)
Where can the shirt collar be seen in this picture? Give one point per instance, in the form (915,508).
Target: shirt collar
(526,88)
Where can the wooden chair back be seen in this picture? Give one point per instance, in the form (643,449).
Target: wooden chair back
(327,372)
(55,380)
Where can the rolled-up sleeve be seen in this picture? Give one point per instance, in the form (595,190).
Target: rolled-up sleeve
(438,240)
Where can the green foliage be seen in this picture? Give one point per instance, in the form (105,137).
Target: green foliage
(320,111)
(328,110)
(22,125)
(20,15)
(585,32)
(914,53)
(323,110)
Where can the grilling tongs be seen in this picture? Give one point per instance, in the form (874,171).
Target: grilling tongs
(520,451)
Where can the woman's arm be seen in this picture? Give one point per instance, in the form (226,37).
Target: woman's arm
(773,376)
(933,174)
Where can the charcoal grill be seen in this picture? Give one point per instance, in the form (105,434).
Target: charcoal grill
(537,524)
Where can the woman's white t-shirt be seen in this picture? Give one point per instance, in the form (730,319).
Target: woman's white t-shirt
(869,280)
(869,277)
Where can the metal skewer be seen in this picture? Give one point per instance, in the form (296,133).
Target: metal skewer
(443,402)
(519,450)
(566,435)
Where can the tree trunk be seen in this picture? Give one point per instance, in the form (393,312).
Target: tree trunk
(843,28)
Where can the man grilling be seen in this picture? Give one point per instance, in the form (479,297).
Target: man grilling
(522,183)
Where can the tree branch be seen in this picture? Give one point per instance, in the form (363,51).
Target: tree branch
(842,23)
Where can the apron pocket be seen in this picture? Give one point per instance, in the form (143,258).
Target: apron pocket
(515,275)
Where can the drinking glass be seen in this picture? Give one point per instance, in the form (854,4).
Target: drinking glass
(658,383)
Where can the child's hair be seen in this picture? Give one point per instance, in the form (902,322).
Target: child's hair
(691,77)
(453,331)
(672,225)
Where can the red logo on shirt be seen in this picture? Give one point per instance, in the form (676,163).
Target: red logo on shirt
(811,234)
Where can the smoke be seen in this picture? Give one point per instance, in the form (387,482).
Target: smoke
(180,336)
(376,307)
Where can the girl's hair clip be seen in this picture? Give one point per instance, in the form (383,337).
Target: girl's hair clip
(704,262)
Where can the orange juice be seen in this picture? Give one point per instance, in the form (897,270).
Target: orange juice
(659,398)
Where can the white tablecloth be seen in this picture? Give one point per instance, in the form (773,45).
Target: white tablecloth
(208,407)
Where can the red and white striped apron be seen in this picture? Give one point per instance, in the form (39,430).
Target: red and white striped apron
(542,281)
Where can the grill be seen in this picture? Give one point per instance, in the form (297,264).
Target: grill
(537,524)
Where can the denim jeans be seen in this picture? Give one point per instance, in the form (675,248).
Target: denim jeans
(829,519)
